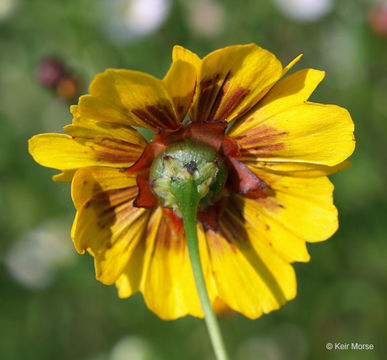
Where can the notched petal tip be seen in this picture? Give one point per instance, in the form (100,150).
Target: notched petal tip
(65,176)
(181,53)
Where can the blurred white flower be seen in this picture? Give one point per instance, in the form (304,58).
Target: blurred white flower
(346,67)
(132,19)
(7,8)
(133,348)
(284,341)
(259,348)
(292,341)
(304,10)
(35,257)
(206,17)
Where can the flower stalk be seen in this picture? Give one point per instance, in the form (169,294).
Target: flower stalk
(186,177)
(188,199)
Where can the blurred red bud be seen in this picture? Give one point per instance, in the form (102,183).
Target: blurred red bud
(377,19)
(53,74)
(50,71)
(68,88)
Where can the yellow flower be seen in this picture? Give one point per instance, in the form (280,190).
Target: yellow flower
(278,149)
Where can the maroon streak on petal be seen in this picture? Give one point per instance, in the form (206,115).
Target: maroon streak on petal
(118,145)
(219,97)
(209,216)
(264,151)
(165,117)
(268,147)
(174,221)
(260,135)
(208,91)
(163,237)
(232,229)
(113,150)
(233,100)
(145,117)
(113,157)
(157,116)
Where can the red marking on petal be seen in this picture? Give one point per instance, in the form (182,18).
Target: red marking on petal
(113,150)
(157,116)
(145,117)
(219,97)
(243,181)
(215,242)
(258,136)
(208,88)
(118,145)
(270,202)
(163,115)
(180,109)
(145,197)
(232,102)
(209,216)
(232,230)
(269,147)
(118,196)
(174,222)
(163,237)
(113,157)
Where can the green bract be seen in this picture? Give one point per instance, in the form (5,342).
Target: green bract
(188,161)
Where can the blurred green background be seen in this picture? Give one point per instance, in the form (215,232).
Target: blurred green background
(51,306)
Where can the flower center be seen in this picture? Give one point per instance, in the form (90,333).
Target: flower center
(184,161)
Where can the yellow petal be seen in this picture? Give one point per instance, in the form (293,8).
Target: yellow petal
(297,169)
(169,287)
(293,90)
(134,276)
(131,98)
(291,64)
(64,176)
(161,269)
(129,281)
(92,181)
(307,133)
(221,308)
(302,206)
(180,53)
(232,80)
(108,226)
(180,82)
(85,128)
(249,279)
(64,152)
(263,228)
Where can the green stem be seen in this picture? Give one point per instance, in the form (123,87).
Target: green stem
(188,200)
